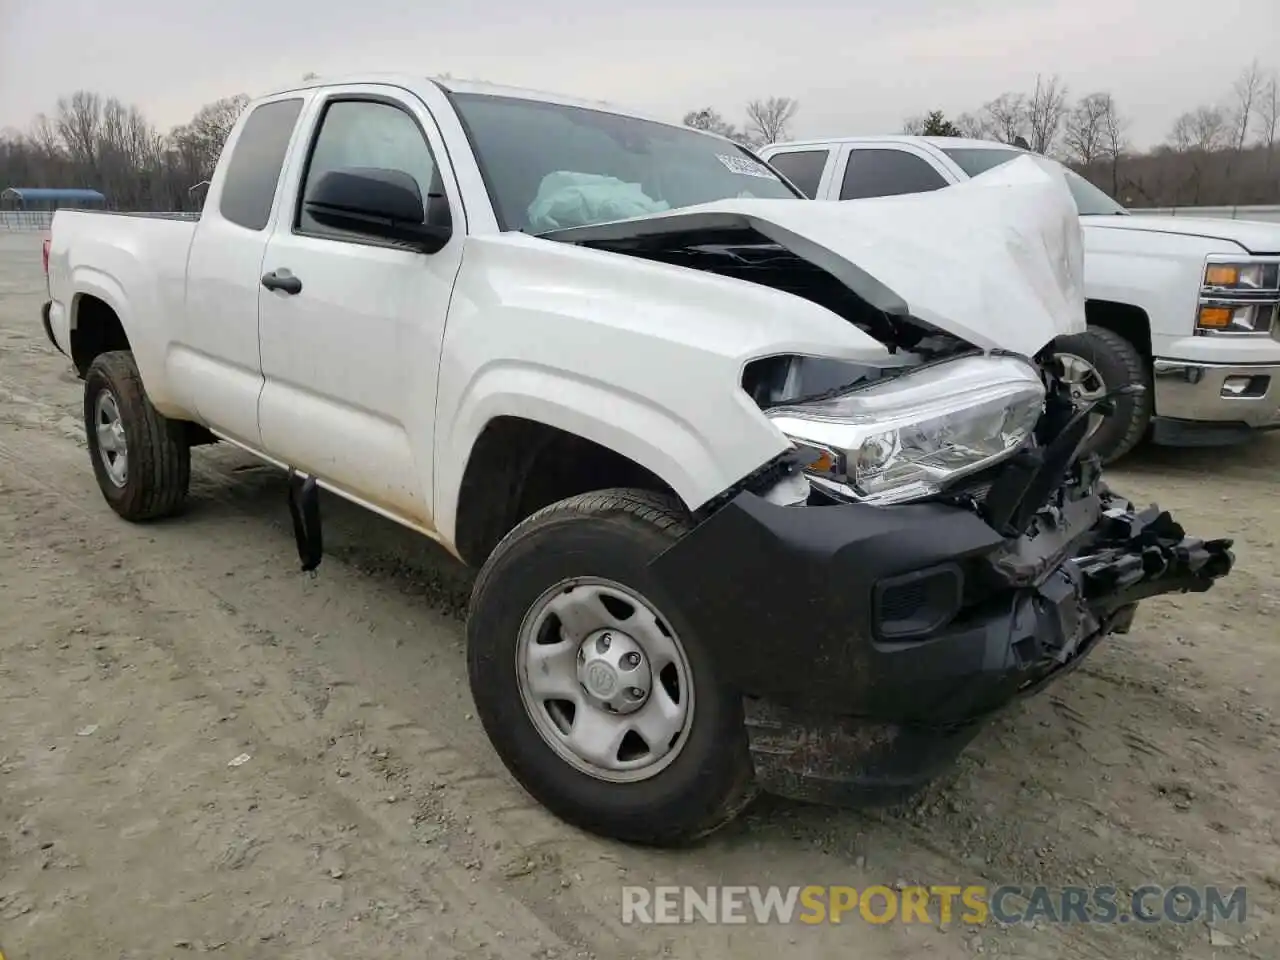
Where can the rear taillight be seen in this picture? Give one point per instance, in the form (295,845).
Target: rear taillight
(44,255)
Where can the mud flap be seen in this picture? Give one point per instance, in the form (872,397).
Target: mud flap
(304,508)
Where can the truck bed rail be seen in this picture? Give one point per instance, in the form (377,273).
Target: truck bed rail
(32,220)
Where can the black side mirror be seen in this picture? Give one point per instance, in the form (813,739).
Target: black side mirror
(380,203)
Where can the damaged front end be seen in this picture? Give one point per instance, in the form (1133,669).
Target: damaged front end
(870,640)
(936,543)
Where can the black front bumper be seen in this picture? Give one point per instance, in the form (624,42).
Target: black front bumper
(890,631)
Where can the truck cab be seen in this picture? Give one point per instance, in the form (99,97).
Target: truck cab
(1187,307)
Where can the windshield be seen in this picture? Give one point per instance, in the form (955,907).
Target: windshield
(548,166)
(1090,201)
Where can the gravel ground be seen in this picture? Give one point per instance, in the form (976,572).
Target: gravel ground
(372,819)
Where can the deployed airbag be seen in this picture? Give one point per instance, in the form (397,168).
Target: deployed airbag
(568,199)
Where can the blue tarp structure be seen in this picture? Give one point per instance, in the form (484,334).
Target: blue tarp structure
(49,198)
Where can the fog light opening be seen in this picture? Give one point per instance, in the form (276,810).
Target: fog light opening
(1245,387)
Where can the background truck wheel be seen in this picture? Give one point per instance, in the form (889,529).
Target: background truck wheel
(599,700)
(141,459)
(1097,362)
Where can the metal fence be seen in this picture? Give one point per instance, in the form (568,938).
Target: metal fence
(25,219)
(41,220)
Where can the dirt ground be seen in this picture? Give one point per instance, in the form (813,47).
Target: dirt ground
(372,820)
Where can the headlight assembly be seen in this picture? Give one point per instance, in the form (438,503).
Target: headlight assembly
(1239,295)
(910,436)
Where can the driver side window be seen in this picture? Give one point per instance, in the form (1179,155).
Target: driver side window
(367,133)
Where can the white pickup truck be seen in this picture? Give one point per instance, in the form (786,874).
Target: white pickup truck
(763,493)
(1188,307)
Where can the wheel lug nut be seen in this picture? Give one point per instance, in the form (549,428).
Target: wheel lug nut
(605,641)
(632,659)
(635,693)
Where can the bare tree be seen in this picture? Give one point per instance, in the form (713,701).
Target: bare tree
(1084,133)
(1247,90)
(44,135)
(972,126)
(1045,112)
(79,122)
(1115,138)
(1205,129)
(1267,112)
(767,120)
(1005,117)
(914,126)
(1198,135)
(199,143)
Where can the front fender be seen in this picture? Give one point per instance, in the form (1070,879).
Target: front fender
(642,358)
(1158,273)
(695,465)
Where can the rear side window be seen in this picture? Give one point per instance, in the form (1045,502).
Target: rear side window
(887,173)
(256,159)
(803,168)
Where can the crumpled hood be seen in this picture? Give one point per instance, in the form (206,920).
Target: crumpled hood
(1255,236)
(996,260)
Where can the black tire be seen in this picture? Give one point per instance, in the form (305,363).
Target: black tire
(1118,362)
(158,454)
(611,534)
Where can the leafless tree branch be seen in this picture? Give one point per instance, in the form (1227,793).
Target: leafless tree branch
(1267,112)
(767,120)
(1005,117)
(1084,130)
(1045,112)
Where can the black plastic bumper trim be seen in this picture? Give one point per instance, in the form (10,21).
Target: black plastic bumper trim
(784,596)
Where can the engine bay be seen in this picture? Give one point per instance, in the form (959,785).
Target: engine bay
(731,245)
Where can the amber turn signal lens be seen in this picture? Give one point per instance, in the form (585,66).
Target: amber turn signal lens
(1221,275)
(825,463)
(1215,318)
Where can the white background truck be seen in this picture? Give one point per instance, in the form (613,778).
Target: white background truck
(1188,307)
(763,493)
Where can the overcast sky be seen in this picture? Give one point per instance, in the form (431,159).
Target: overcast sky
(856,66)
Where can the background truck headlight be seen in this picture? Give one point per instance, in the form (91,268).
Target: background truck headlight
(910,436)
(1239,295)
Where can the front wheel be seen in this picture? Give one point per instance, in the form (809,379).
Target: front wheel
(603,704)
(1095,363)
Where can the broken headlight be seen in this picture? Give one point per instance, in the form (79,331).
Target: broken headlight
(910,436)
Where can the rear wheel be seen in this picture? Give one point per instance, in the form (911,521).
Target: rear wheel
(142,460)
(599,700)
(1095,363)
